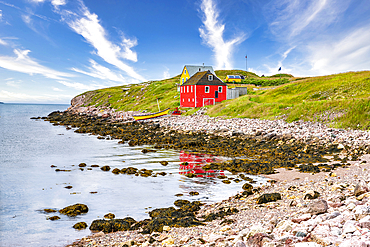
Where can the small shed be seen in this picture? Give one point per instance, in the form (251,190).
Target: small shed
(203,88)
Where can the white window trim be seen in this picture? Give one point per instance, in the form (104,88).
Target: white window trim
(187,89)
(205,89)
(210,77)
(191,89)
(220,89)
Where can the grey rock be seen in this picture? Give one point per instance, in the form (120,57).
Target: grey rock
(318,207)
(361,188)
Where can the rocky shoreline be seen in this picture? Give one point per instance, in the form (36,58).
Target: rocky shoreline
(307,147)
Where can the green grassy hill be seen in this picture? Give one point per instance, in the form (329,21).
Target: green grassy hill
(340,100)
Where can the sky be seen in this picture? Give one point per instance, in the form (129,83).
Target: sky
(53,50)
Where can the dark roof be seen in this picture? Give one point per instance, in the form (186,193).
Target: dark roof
(201,78)
(192,69)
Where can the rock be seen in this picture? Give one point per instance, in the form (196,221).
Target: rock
(74,210)
(311,195)
(105,168)
(340,146)
(301,218)
(116,171)
(82,165)
(113,225)
(256,229)
(80,225)
(179,203)
(193,193)
(318,207)
(240,244)
(307,244)
(225,228)
(166,228)
(68,187)
(361,211)
(349,227)
(272,197)
(361,188)
(256,240)
(362,196)
(49,210)
(285,225)
(164,163)
(168,241)
(109,216)
(54,218)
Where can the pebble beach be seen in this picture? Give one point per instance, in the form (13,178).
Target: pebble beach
(323,209)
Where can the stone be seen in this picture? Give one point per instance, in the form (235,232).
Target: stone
(53,218)
(349,227)
(268,197)
(49,210)
(285,225)
(361,211)
(318,207)
(82,165)
(311,194)
(255,229)
(362,196)
(109,216)
(166,228)
(168,241)
(361,188)
(105,168)
(240,244)
(164,163)
(80,225)
(307,244)
(74,210)
(301,218)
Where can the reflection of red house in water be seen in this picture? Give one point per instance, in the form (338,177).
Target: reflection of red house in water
(195,164)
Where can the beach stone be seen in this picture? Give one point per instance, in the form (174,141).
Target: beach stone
(349,227)
(168,240)
(268,197)
(247,187)
(311,194)
(80,225)
(105,168)
(163,163)
(301,218)
(255,229)
(361,211)
(361,188)
(362,196)
(256,240)
(54,218)
(74,210)
(116,171)
(317,207)
(240,244)
(49,210)
(109,216)
(285,225)
(166,228)
(213,237)
(82,165)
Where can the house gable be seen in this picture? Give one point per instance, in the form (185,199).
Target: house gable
(190,70)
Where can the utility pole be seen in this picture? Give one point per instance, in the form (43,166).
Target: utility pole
(246,63)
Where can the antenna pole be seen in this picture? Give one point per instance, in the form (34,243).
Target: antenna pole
(246,63)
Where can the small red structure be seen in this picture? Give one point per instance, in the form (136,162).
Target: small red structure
(203,88)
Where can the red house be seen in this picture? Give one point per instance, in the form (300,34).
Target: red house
(203,88)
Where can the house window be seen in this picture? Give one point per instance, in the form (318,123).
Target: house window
(188,100)
(207,89)
(187,89)
(185,71)
(182,80)
(210,77)
(220,89)
(193,99)
(191,89)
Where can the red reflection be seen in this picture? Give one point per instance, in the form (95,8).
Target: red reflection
(195,162)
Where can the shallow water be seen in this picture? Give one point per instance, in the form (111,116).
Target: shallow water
(28,184)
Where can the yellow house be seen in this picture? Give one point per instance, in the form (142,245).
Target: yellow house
(233,78)
(189,70)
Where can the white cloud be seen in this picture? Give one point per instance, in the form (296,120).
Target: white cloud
(27,19)
(24,64)
(166,73)
(88,25)
(12,83)
(2,42)
(1,14)
(80,86)
(7,96)
(57,89)
(98,71)
(349,53)
(212,35)
(57,3)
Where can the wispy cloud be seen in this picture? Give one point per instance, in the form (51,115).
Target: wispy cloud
(88,25)
(13,83)
(25,64)
(2,42)
(80,86)
(351,52)
(166,73)
(98,71)
(212,33)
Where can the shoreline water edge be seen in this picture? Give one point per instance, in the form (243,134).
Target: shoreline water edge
(318,198)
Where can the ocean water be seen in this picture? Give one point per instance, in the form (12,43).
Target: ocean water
(28,183)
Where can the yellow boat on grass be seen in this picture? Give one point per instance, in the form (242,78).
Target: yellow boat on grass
(151,115)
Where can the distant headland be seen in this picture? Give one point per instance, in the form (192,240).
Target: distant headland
(2,103)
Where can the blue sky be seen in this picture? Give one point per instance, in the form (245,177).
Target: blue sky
(52,50)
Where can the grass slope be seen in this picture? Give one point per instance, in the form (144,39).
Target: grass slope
(340,100)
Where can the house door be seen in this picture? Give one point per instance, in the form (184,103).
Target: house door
(216,94)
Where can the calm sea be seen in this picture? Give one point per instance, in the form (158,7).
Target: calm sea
(28,184)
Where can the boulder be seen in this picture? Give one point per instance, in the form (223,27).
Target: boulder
(311,194)
(109,216)
(74,210)
(80,225)
(361,188)
(269,197)
(318,207)
(105,168)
